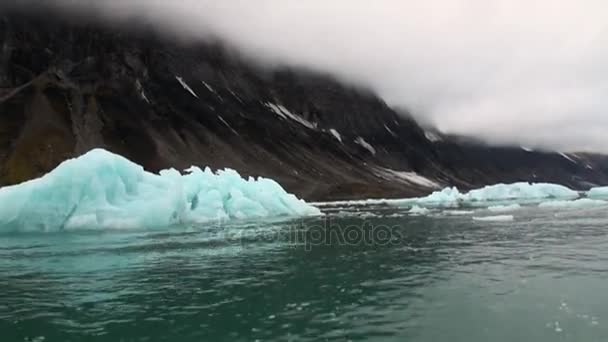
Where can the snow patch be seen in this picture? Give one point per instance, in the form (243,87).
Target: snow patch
(212,90)
(390,131)
(527,149)
(568,157)
(209,87)
(228,125)
(336,134)
(432,137)
(235,95)
(140,90)
(286,114)
(181,81)
(407,177)
(102,190)
(361,142)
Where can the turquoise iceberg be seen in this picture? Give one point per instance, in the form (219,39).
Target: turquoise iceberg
(104,190)
(599,192)
(522,191)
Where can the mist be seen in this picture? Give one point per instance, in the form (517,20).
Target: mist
(532,73)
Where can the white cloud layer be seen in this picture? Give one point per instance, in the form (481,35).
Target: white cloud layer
(529,72)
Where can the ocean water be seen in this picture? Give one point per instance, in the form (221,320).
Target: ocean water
(357,274)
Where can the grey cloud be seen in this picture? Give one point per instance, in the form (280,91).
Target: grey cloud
(529,72)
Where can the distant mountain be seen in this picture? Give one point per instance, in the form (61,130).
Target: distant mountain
(67,87)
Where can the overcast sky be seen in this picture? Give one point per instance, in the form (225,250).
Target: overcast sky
(530,72)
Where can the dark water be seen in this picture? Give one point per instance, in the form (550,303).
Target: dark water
(542,277)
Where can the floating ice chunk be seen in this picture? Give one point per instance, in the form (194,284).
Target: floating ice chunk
(451,197)
(448,197)
(504,208)
(599,192)
(498,218)
(459,212)
(361,142)
(416,210)
(104,190)
(527,149)
(580,203)
(336,134)
(521,191)
(407,177)
(363,202)
(499,192)
(186,86)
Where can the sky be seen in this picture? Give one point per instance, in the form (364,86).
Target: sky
(527,72)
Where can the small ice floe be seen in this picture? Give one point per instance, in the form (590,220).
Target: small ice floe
(458,212)
(361,142)
(450,197)
(186,86)
(416,210)
(557,327)
(504,208)
(497,218)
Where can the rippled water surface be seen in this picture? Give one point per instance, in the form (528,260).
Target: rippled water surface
(440,277)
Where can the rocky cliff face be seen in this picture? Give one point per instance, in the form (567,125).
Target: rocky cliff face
(67,87)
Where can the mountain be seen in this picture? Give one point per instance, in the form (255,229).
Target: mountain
(67,86)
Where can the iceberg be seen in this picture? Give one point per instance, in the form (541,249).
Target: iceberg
(452,197)
(448,197)
(104,190)
(600,192)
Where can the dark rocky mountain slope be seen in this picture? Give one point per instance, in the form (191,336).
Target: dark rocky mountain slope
(67,87)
